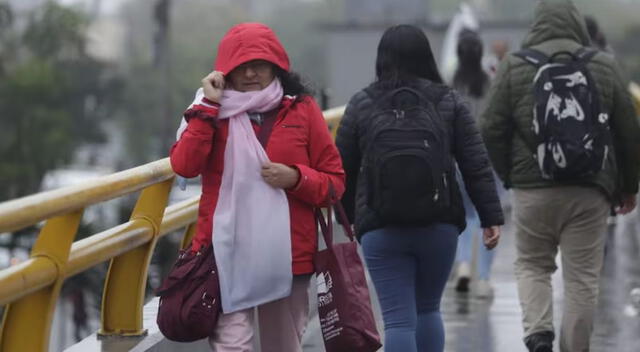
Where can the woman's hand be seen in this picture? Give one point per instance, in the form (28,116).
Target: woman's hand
(280,175)
(213,85)
(491,236)
(627,204)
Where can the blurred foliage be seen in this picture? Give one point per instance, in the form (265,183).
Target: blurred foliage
(56,31)
(6,16)
(196,25)
(52,95)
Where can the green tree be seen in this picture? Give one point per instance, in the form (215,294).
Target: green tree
(52,95)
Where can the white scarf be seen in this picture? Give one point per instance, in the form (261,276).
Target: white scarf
(251,225)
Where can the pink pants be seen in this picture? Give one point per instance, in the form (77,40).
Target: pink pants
(281,324)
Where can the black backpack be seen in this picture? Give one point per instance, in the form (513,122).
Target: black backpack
(571,131)
(407,162)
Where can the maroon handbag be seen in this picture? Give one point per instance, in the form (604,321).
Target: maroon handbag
(344,305)
(190,297)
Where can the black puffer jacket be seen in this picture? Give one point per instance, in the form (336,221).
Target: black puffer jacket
(466,145)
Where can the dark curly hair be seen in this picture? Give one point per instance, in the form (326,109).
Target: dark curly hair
(292,83)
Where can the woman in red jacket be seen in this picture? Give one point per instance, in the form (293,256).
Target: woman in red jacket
(257,205)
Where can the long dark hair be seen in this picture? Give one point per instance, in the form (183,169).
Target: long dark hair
(292,83)
(470,76)
(404,53)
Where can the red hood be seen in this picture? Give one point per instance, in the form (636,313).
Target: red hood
(250,41)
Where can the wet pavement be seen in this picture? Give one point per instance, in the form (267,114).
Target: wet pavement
(617,326)
(474,325)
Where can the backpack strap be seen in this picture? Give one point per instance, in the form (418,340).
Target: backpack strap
(535,57)
(585,54)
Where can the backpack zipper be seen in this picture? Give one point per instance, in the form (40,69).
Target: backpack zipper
(399,113)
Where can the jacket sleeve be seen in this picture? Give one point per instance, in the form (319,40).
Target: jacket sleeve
(348,144)
(496,125)
(473,162)
(325,166)
(189,154)
(626,134)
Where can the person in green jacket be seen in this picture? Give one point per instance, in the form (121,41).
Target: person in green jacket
(568,215)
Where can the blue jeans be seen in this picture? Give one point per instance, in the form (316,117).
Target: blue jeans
(465,242)
(409,268)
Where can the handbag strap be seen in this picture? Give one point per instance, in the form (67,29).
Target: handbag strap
(326,224)
(340,213)
(326,227)
(343,220)
(202,256)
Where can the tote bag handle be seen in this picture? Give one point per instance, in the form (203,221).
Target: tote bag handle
(326,225)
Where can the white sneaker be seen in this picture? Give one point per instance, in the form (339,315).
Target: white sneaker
(483,289)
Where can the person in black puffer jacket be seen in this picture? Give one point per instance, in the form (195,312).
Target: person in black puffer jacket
(409,247)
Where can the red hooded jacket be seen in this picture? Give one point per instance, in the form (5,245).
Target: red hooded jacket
(300,138)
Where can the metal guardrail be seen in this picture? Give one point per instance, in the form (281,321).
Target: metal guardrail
(634,89)
(30,289)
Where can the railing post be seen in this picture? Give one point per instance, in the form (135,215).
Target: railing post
(26,325)
(124,289)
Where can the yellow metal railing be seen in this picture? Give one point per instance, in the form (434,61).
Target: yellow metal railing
(30,289)
(634,89)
